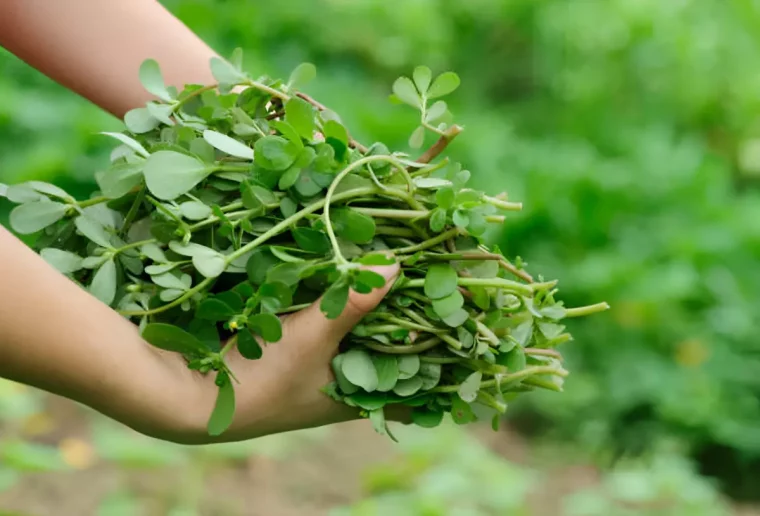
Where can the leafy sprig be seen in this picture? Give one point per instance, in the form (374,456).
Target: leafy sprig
(225,206)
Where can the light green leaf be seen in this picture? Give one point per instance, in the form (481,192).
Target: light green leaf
(404,89)
(152,80)
(225,72)
(64,261)
(169,174)
(23,193)
(358,368)
(302,75)
(422,76)
(120,179)
(431,182)
(387,371)
(300,115)
(436,111)
(430,374)
(139,120)
(444,84)
(417,138)
(345,386)
(334,129)
(468,390)
(275,153)
(49,189)
(408,366)
(168,280)
(34,216)
(194,210)
(161,112)
(210,263)
(408,386)
(440,281)
(103,284)
(447,305)
(228,145)
(93,230)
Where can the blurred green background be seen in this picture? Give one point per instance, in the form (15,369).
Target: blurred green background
(629,129)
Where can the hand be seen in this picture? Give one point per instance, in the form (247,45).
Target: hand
(281,391)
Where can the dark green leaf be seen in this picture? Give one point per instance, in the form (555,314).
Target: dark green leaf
(170,174)
(248,346)
(376,259)
(212,309)
(370,278)
(288,207)
(224,409)
(289,178)
(266,325)
(288,273)
(333,129)
(515,360)
(311,240)
(387,371)
(426,418)
(358,369)
(461,412)
(353,225)
(29,218)
(468,390)
(275,296)
(445,197)
(172,338)
(430,374)
(335,299)
(440,281)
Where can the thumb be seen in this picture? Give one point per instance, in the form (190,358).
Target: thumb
(314,323)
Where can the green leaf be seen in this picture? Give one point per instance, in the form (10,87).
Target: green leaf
(228,145)
(440,281)
(23,193)
(353,225)
(289,178)
(300,115)
(387,371)
(417,138)
(523,332)
(370,278)
(31,217)
(461,412)
(438,220)
(335,299)
(312,240)
(103,285)
(169,280)
(333,129)
(93,231)
(436,111)
(275,153)
(358,369)
(448,305)
(456,318)
(431,183)
(289,132)
(288,273)
(445,198)
(302,75)
(248,346)
(49,189)
(267,325)
(224,409)
(194,210)
(212,309)
(376,259)
(225,72)
(430,374)
(170,174)
(275,296)
(172,338)
(468,390)
(161,112)
(64,261)
(152,80)
(140,121)
(345,386)
(426,418)
(515,360)
(118,180)
(422,77)
(408,387)
(408,366)
(404,89)
(288,207)
(210,263)
(444,84)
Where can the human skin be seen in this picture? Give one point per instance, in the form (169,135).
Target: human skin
(55,336)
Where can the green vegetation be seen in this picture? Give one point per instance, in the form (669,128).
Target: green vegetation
(628,130)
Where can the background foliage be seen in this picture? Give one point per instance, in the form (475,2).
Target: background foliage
(629,129)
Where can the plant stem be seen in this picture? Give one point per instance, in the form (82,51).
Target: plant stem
(586,310)
(428,243)
(394,231)
(442,360)
(506,284)
(508,378)
(187,295)
(504,205)
(93,201)
(439,146)
(543,352)
(410,325)
(404,350)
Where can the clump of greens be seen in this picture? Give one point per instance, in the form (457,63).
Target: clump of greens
(227,205)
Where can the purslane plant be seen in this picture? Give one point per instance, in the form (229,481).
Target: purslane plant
(227,205)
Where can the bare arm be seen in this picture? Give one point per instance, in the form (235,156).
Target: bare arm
(95,47)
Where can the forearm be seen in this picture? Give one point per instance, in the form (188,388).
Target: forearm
(57,337)
(95,47)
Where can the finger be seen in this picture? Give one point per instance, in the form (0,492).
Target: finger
(315,326)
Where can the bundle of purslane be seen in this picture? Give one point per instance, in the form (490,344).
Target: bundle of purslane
(226,205)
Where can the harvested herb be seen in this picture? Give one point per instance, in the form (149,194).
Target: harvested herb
(226,205)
